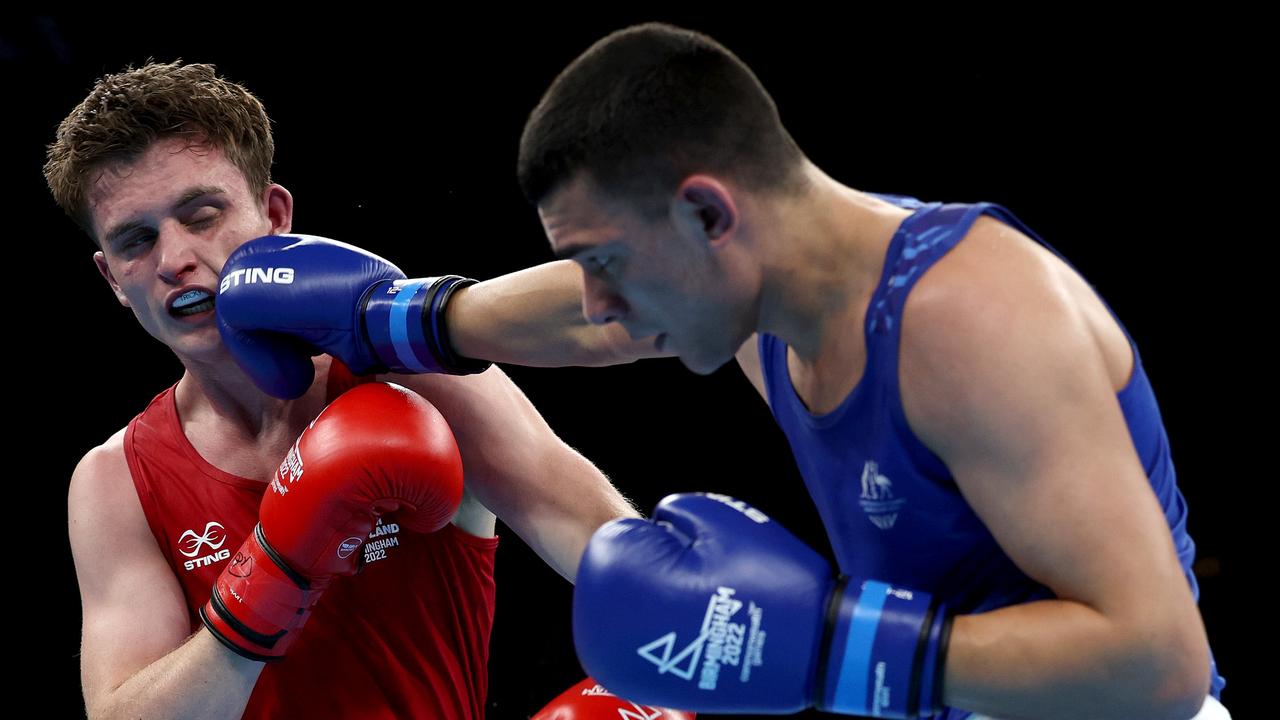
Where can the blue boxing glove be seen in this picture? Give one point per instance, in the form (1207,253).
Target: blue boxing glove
(712,607)
(284,298)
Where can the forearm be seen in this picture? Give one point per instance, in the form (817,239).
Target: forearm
(563,549)
(533,317)
(560,525)
(1064,659)
(200,678)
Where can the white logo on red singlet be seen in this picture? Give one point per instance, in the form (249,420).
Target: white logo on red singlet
(189,544)
(214,536)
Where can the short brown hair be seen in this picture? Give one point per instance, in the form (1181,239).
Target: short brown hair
(128,111)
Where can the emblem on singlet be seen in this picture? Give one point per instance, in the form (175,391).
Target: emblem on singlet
(190,544)
(877,498)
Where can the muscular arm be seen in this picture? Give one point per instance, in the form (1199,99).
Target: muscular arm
(534,317)
(138,657)
(550,495)
(1005,378)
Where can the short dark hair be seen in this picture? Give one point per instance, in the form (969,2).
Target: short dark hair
(126,112)
(646,107)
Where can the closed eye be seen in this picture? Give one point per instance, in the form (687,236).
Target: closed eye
(204,220)
(598,265)
(136,240)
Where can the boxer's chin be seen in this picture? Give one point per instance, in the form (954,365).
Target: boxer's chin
(699,360)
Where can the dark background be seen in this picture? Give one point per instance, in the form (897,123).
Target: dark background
(1126,145)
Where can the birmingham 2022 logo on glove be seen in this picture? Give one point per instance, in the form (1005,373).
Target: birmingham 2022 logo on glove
(720,642)
(384,537)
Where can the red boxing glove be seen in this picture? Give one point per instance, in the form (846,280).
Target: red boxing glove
(589,701)
(376,449)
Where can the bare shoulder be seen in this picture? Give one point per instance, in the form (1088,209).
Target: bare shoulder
(108,529)
(991,255)
(1006,375)
(102,487)
(115,554)
(1000,294)
(104,512)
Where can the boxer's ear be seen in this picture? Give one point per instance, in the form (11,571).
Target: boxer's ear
(277,205)
(704,208)
(101,261)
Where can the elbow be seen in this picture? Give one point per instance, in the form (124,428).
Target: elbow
(611,345)
(100,708)
(1181,693)
(602,357)
(1182,707)
(587,346)
(1176,679)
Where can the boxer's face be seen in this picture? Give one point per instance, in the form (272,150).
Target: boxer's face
(649,275)
(166,223)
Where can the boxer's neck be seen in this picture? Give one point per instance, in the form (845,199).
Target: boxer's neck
(822,257)
(221,394)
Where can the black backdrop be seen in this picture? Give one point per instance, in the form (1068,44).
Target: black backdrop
(398,132)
